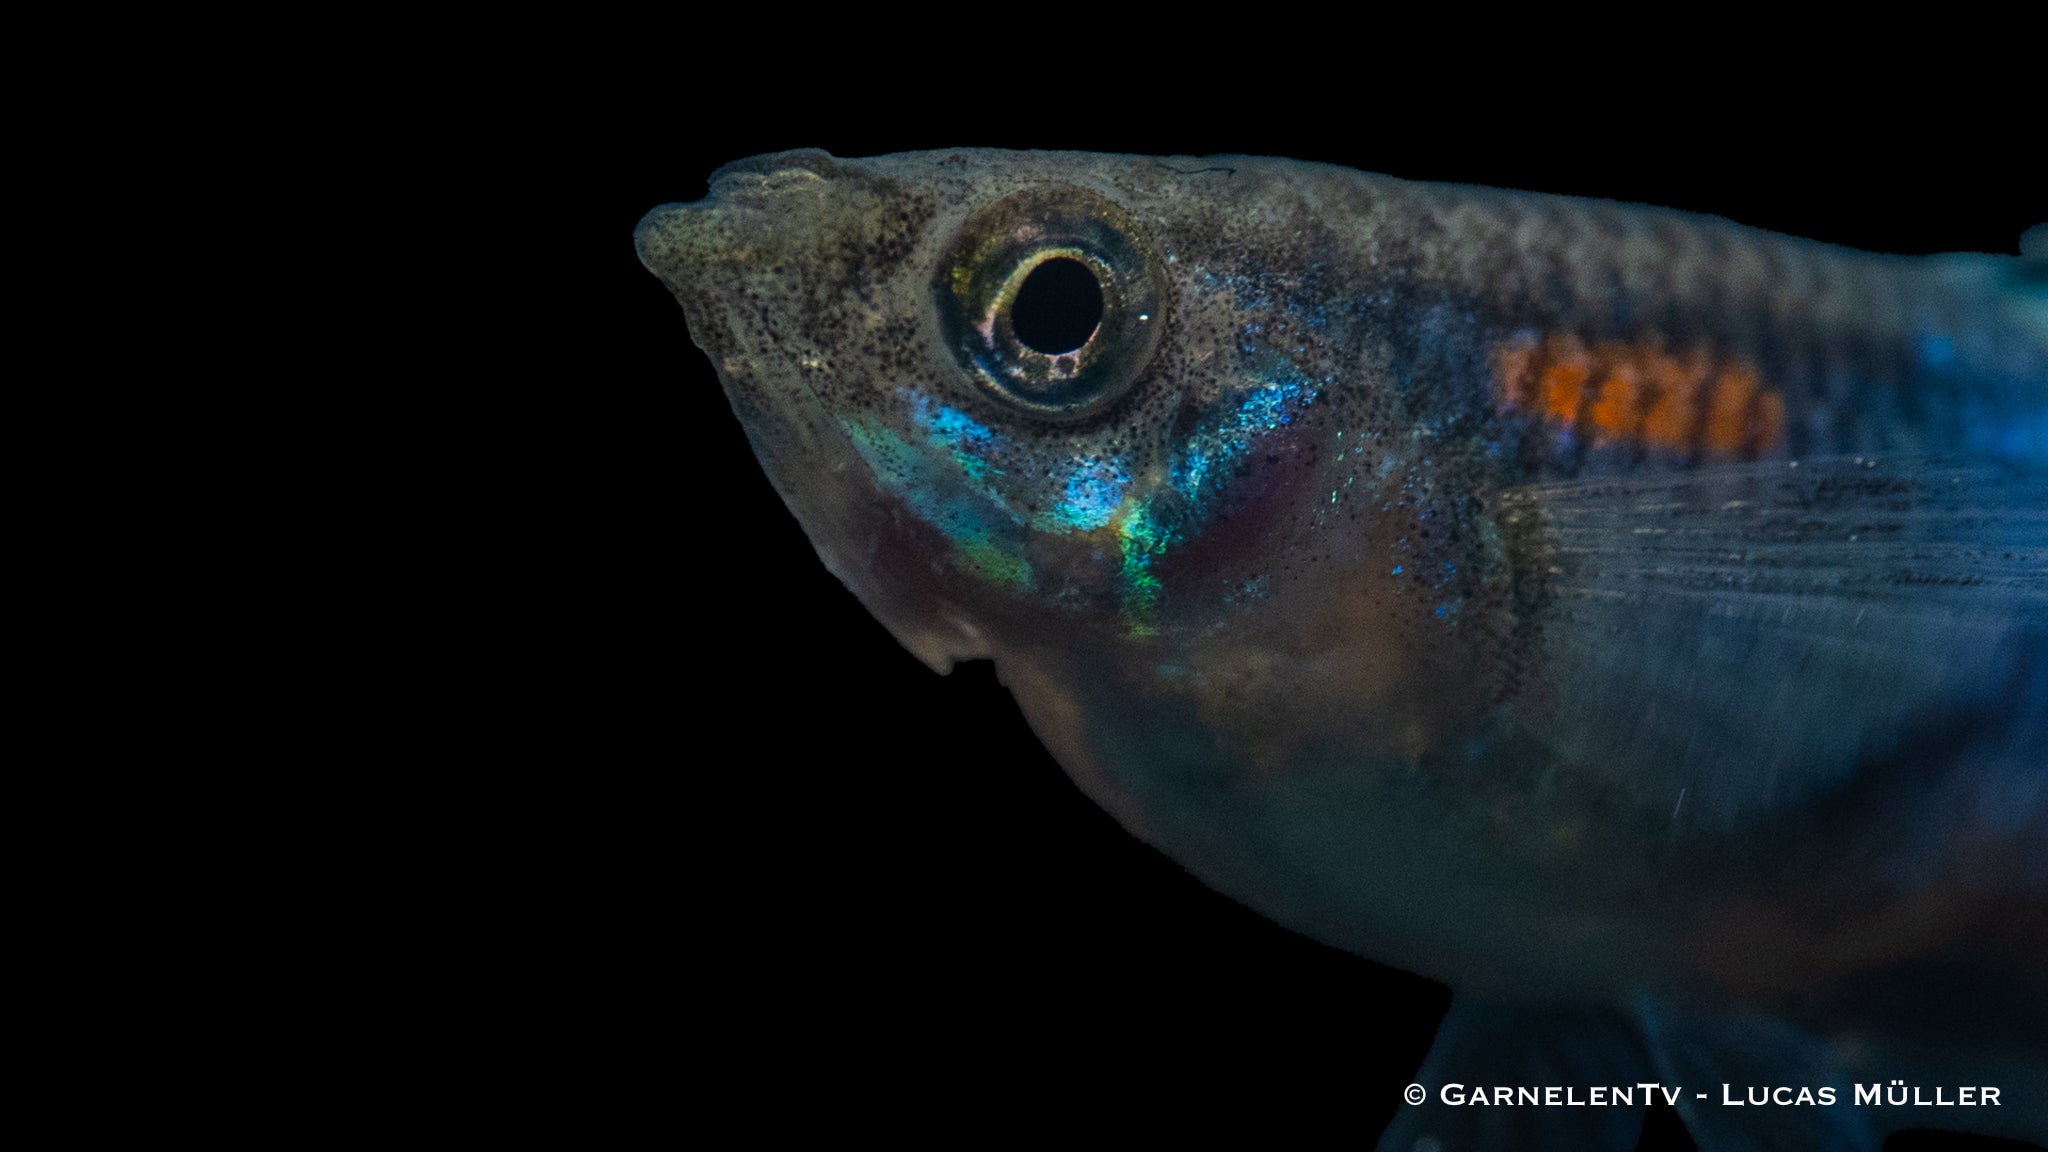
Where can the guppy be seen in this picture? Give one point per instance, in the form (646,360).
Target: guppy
(1638,621)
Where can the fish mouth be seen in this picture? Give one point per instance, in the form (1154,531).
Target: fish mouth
(733,258)
(762,196)
(675,242)
(747,233)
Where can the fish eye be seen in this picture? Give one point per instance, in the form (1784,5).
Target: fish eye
(1051,300)
(1058,306)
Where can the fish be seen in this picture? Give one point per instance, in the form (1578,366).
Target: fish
(1631,619)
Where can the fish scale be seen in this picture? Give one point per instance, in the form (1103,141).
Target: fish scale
(1831,334)
(1564,600)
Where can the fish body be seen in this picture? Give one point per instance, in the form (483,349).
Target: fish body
(1582,604)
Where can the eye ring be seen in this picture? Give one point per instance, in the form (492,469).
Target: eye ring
(993,263)
(1044,301)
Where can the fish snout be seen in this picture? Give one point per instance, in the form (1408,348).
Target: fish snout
(757,213)
(675,241)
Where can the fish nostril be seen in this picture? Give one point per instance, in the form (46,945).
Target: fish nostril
(777,169)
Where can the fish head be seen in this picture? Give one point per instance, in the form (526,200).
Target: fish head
(1017,395)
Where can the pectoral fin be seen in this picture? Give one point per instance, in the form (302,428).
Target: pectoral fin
(1704,623)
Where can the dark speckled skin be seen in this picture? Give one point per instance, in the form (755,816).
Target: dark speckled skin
(1333,608)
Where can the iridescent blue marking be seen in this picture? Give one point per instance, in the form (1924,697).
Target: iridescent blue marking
(2006,419)
(1217,440)
(960,503)
(971,443)
(1937,352)
(1095,490)
(953,424)
(2021,438)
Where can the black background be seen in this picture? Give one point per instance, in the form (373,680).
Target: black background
(787,870)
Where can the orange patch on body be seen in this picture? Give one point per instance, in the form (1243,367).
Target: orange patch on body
(1614,413)
(1769,427)
(1669,422)
(1681,402)
(1563,383)
(1728,410)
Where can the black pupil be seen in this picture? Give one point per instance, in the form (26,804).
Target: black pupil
(1057,307)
